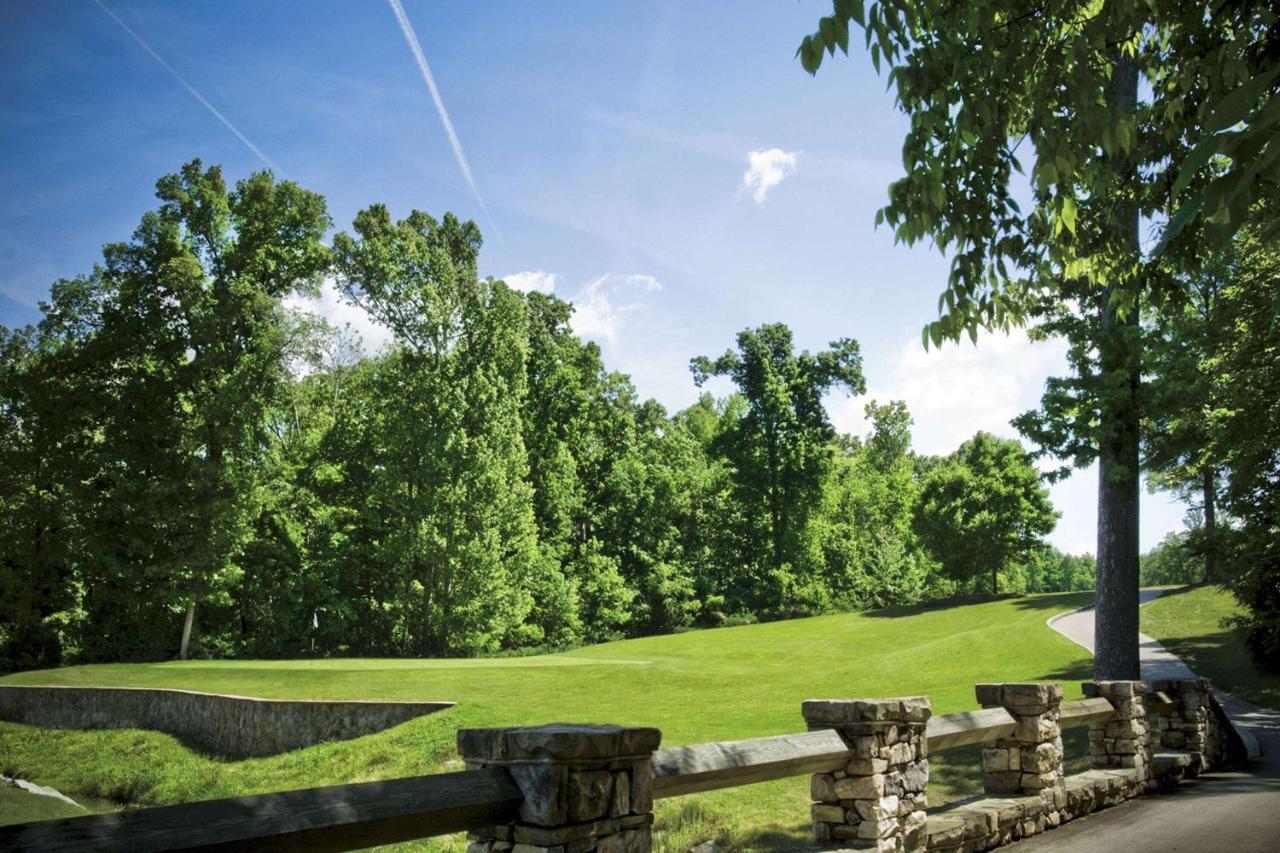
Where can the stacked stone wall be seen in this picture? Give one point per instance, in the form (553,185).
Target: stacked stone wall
(1123,740)
(877,800)
(231,725)
(1028,792)
(586,788)
(1029,760)
(1191,725)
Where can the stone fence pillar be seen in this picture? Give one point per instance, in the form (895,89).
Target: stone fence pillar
(1187,726)
(586,788)
(877,800)
(1121,741)
(1029,761)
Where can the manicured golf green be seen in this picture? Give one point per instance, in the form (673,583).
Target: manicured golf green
(699,686)
(1194,623)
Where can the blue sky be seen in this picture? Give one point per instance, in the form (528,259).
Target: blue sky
(667,166)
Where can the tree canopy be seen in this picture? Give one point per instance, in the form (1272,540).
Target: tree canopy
(984,509)
(178,449)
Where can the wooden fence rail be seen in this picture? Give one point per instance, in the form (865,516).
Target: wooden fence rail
(708,766)
(339,817)
(1084,712)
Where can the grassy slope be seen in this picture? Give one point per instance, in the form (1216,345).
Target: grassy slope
(699,686)
(1190,622)
(18,806)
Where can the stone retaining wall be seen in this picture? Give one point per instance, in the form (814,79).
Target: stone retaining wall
(1027,767)
(232,725)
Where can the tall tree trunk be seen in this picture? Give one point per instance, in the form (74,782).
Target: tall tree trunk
(1116,619)
(186,630)
(995,581)
(1210,525)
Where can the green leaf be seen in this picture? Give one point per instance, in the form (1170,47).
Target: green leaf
(842,35)
(1199,156)
(1184,215)
(810,59)
(827,28)
(1068,214)
(937,194)
(1236,104)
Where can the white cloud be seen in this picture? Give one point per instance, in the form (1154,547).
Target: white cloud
(958,389)
(331,306)
(766,169)
(598,313)
(532,280)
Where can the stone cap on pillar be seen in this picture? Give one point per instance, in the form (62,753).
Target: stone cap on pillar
(1027,698)
(841,712)
(558,743)
(1201,684)
(1119,688)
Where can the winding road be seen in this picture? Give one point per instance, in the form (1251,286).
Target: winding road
(1236,811)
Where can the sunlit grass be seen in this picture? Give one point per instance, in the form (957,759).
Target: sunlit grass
(699,686)
(1194,623)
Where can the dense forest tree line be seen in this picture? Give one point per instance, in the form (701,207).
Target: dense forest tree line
(184,462)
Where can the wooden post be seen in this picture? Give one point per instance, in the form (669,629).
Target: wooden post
(877,800)
(586,788)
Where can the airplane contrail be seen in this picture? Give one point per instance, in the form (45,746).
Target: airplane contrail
(208,106)
(412,38)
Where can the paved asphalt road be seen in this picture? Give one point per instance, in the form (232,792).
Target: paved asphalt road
(1234,812)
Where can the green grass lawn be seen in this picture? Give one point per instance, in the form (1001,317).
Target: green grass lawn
(18,806)
(1192,622)
(699,686)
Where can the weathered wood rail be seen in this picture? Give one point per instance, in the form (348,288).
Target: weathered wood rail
(339,817)
(544,787)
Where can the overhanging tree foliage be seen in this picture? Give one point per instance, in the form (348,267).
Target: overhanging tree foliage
(982,80)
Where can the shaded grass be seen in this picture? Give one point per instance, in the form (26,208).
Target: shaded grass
(700,686)
(1193,623)
(19,806)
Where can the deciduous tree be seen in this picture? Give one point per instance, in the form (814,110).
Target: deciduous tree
(984,509)
(781,447)
(981,80)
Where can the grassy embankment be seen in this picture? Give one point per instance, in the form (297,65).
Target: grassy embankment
(1192,622)
(699,686)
